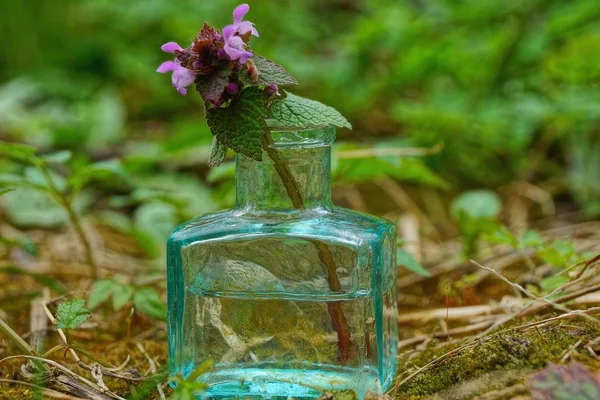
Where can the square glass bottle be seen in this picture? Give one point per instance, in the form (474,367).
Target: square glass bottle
(288,295)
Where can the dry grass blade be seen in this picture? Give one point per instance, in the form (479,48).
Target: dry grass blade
(531,295)
(571,314)
(68,373)
(463,330)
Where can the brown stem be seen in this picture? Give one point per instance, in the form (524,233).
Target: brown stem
(284,172)
(340,323)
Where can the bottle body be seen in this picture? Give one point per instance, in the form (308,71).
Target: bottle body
(285,302)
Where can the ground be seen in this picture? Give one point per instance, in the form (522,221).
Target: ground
(479,338)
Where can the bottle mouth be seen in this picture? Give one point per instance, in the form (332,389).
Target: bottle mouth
(290,137)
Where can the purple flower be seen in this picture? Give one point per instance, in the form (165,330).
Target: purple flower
(237,34)
(181,77)
(232,88)
(272,89)
(170,47)
(236,50)
(239,27)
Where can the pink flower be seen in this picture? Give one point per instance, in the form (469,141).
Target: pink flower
(237,34)
(170,47)
(239,27)
(181,77)
(235,48)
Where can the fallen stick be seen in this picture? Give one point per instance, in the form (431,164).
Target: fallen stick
(463,330)
(451,314)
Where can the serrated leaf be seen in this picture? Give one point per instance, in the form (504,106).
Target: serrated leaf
(297,112)
(148,301)
(270,72)
(217,153)
(241,125)
(121,296)
(211,87)
(101,291)
(71,314)
(407,261)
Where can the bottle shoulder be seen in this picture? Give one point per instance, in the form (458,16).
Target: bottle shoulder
(335,224)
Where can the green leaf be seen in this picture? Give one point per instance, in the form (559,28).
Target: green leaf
(71,314)
(4,191)
(241,125)
(476,204)
(270,72)
(17,181)
(201,369)
(101,291)
(553,282)
(225,173)
(59,157)
(407,261)
(559,253)
(148,301)
(211,87)
(19,152)
(121,296)
(28,208)
(147,387)
(154,221)
(502,235)
(109,171)
(531,239)
(217,153)
(298,112)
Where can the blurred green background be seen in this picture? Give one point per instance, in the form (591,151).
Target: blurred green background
(509,88)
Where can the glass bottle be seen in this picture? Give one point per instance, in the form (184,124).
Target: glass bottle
(287,294)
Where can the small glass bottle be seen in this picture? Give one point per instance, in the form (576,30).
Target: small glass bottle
(288,295)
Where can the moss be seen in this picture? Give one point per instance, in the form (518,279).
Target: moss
(13,391)
(503,351)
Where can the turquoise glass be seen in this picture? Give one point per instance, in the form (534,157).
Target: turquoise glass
(288,295)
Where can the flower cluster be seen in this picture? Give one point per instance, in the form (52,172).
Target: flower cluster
(213,59)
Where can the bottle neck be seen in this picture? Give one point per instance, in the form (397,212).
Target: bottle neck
(306,182)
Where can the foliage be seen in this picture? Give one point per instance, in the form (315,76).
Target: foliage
(407,261)
(105,289)
(90,134)
(148,301)
(71,314)
(192,386)
(298,112)
(145,299)
(475,213)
